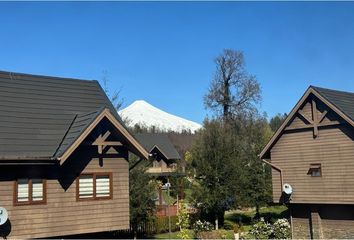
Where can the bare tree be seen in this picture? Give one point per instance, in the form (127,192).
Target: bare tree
(115,98)
(233,89)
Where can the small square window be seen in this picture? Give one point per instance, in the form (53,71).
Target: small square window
(93,186)
(29,191)
(315,170)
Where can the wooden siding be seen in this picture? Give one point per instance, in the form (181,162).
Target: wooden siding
(63,215)
(333,148)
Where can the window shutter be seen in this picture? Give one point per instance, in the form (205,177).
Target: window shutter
(102,186)
(37,190)
(86,186)
(22,190)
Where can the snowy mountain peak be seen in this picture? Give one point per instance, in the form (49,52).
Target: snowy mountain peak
(144,114)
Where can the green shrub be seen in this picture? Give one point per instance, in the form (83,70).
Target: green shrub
(183,222)
(202,226)
(238,228)
(281,229)
(263,230)
(161,224)
(228,225)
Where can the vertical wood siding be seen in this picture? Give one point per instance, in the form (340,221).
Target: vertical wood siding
(63,215)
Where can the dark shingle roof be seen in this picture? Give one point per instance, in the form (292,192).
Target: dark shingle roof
(344,101)
(161,140)
(41,116)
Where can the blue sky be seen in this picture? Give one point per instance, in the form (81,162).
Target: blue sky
(163,52)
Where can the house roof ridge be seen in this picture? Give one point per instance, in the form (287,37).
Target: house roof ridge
(11,74)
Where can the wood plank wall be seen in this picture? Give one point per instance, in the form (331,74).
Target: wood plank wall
(63,215)
(333,149)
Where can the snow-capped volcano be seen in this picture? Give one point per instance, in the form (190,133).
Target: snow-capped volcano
(144,114)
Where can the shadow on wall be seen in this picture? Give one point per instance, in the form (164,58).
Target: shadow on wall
(81,157)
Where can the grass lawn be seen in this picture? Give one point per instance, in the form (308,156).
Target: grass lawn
(168,199)
(166,236)
(270,214)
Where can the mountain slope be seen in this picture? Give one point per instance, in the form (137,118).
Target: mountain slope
(146,115)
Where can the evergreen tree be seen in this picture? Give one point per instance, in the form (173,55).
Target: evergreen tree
(142,193)
(276,121)
(225,153)
(216,171)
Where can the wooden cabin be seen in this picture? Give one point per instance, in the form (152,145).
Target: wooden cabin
(313,151)
(164,155)
(63,158)
(163,165)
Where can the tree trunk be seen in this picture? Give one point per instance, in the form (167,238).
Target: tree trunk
(258,215)
(221,218)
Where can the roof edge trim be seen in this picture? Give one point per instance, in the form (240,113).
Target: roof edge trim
(104,113)
(310,90)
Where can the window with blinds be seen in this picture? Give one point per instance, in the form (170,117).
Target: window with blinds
(94,186)
(29,191)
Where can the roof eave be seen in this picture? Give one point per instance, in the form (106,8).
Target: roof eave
(105,113)
(265,154)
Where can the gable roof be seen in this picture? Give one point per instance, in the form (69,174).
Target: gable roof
(340,102)
(42,116)
(159,141)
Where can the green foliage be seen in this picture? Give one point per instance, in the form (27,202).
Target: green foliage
(245,218)
(228,170)
(183,222)
(281,229)
(202,226)
(263,230)
(276,121)
(228,225)
(238,228)
(142,195)
(212,192)
(161,224)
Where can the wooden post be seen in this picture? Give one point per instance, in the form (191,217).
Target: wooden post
(314,117)
(316,225)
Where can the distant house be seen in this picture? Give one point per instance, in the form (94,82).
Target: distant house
(312,155)
(163,153)
(63,158)
(164,165)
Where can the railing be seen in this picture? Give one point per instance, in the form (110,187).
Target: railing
(160,170)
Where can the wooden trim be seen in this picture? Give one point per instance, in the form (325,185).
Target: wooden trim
(94,176)
(305,117)
(279,170)
(309,91)
(30,193)
(314,116)
(105,113)
(285,123)
(155,146)
(314,166)
(333,123)
(129,137)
